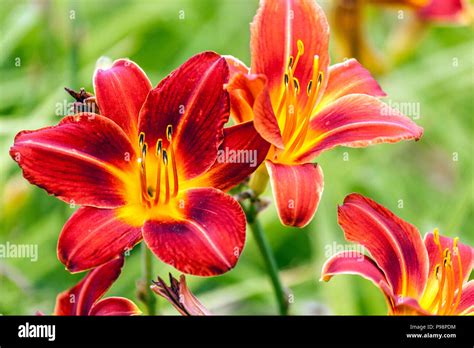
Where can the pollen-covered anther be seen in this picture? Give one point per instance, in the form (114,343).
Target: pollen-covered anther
(296,85)
(141,139)
(308,88)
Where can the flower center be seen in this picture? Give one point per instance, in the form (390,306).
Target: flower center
(444,302)
(151,192)
(292,114)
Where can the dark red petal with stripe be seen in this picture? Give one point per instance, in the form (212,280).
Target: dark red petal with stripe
(240,154)
(80,160)
(96,284)
(208,241)
(297,190)
(121,91)
(94,236)
(66,301)
(115,306)
(395,245)
(193,101)
(79,299)
(356,120)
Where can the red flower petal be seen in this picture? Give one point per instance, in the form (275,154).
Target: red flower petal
(240,109)
(466,253)
(80,161)
(66,301)
(121,91)
(250,91)
(96,284)
(353,262)
(349,77)
(407,306)
(242,151)
(275,30)
(208,241)
(115,306)
(236,66)
(356,120)
(94,236)
(297,190)
(443,10)
(79,299)
(395,245)
(466,305)
(192,99)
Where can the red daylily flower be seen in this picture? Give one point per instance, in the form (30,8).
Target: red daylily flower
(85,297)
(304,107)
(179,295)
(416,276)
(147,168)
(433,10)
(443,10)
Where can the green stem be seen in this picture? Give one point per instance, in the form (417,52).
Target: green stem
(268,257)
(149,298)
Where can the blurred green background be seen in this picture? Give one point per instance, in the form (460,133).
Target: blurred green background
(47,45)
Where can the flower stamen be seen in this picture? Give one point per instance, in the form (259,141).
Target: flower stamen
(300,134)
(167,181)
(169,134)
(143,184)
(460,275)
(439,296)
(159,150)
(313,92)
(290,93)
(440,284)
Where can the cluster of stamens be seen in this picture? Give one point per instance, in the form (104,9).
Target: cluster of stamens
(444,302)
(293,122)
(166,161)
